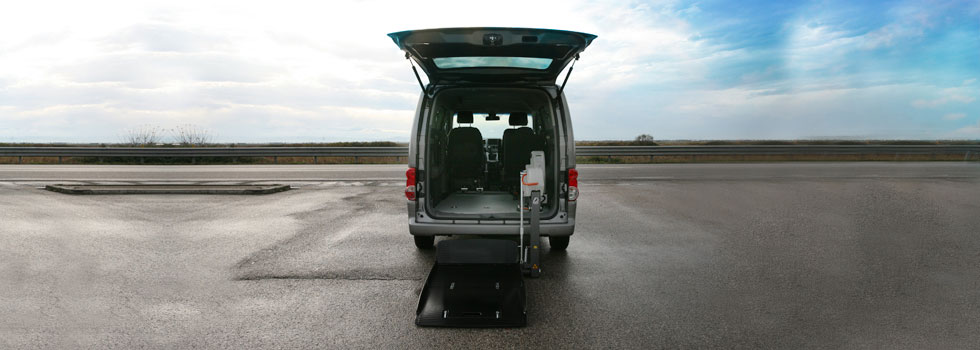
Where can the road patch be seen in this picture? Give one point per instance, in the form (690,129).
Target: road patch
(167,189)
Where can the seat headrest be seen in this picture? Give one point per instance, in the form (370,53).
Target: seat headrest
(518,118)
(464,117)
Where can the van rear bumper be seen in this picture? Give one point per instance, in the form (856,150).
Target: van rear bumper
(442,229)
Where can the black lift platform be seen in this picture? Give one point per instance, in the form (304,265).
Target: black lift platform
(479,282)
(474,283)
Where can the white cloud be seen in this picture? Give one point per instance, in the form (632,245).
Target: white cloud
(969,131)
(164,37)
(294,70)
(745,113)
(314,67)
(947,96)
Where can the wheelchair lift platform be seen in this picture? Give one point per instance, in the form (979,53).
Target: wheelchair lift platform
(479,282)
(474,283)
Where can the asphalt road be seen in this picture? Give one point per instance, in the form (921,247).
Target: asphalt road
(790,255)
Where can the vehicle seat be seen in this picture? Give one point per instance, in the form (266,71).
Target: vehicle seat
(465,156)
(516,146)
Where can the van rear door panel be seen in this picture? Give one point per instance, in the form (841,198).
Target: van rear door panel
(491,54)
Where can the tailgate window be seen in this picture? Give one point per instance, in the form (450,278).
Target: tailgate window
(488,61)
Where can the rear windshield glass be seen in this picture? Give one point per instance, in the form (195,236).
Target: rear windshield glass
(477,61)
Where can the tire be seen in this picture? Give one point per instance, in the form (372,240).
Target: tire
(559,243)
(427,242)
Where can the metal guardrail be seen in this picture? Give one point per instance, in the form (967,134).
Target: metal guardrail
(152,152)
(773,150)
(586,151)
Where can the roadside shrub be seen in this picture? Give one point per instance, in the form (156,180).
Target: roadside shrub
(142,136)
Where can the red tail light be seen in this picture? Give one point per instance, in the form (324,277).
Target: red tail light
(410,184)
(572,184)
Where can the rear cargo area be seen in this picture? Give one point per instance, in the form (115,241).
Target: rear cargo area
(478,140)
(478,203)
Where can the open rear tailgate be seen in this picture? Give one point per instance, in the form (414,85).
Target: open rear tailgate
(489,54)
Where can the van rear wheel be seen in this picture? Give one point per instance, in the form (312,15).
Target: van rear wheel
(426,242)
(559,243)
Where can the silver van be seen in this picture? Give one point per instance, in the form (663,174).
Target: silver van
(491,99)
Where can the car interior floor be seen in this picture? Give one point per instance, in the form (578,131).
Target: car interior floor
(478,203)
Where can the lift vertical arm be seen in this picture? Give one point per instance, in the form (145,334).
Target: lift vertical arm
(533,264)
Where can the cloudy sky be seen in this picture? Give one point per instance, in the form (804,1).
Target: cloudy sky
(88,71)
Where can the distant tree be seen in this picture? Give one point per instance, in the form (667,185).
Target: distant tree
(146,135)
(191,135)
(644,138)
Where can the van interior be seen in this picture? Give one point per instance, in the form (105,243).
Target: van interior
(479,140)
